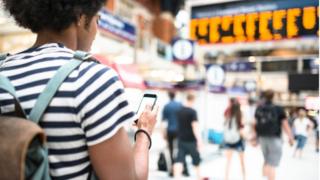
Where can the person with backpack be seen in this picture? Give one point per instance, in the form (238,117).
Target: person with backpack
(83,113)
(232,135)
(270,120)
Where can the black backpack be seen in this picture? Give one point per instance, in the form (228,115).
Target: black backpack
(267,121)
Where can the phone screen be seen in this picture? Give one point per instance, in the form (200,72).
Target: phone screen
(148,99)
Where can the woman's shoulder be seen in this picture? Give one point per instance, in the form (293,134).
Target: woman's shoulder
(96,70)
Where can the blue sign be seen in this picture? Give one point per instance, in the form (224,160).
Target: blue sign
(215,78)
(238,67)
(183,50)
(117,26)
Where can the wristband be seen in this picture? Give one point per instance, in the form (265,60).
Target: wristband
(144,132)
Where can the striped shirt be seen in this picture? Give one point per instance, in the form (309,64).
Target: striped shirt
(89,107)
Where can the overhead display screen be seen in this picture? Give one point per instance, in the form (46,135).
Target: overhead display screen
(254,20)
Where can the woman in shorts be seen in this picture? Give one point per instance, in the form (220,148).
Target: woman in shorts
(232,135)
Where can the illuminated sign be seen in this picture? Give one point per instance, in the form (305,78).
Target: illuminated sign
(254,21)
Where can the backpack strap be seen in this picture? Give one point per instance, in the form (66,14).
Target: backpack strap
(3,57)
(7,86)
(54,83)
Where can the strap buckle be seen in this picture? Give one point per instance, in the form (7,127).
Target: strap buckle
(3,57)
(81,55)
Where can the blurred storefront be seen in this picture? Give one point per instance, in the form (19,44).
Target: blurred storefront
(140,33)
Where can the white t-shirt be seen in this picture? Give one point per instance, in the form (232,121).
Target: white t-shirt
(301,126)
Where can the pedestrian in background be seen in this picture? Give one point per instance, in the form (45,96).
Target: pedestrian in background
(270,120)
(169,115)
(302,125)
(84,123)
(248,120)
(293,114)
(232,135)
(189,140)
(316,127)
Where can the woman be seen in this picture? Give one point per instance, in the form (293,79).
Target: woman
(232,135)
(84,121)
(301,127)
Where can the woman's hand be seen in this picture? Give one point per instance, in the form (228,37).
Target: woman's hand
(148,119)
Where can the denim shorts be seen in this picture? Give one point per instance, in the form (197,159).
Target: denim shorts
(238,146)
(301,141)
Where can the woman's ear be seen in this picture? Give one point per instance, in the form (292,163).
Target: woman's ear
(81,21)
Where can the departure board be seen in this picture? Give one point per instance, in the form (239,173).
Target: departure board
(254,22)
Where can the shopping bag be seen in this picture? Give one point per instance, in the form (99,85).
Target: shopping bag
(215,137)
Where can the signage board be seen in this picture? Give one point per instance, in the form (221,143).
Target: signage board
(215,75)
(117,26)
(183,50)
(215,78)
(255,20)
(238,66)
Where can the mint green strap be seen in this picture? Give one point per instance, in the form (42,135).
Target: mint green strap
(3,57)
(6,85)
(54,83)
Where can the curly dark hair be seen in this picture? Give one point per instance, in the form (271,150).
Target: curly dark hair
(55,15)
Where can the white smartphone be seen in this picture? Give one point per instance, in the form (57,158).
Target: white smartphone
(147,99)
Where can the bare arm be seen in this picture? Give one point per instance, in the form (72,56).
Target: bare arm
(287,130)
(196,131)
(311,124)
(116,159)
(141,156)
(113,158)
(164,126)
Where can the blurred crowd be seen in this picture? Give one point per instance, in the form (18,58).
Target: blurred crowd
(260,124)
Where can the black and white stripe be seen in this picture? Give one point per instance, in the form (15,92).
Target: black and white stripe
(89,107)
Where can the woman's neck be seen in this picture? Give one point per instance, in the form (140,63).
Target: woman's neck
(66,37)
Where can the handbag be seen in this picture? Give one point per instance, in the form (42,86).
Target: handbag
(162,163)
